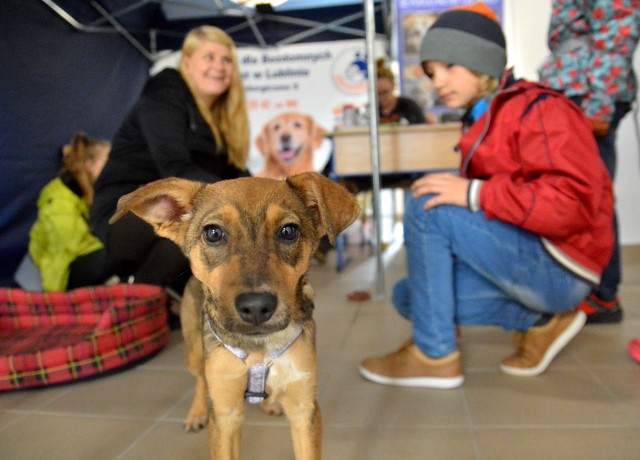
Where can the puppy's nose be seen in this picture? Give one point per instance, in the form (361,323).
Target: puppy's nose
(256,308)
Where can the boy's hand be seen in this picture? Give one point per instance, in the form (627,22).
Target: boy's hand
(448,189)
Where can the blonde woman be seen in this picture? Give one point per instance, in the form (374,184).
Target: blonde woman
(189,122)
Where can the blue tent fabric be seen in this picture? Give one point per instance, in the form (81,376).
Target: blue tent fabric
(55,82)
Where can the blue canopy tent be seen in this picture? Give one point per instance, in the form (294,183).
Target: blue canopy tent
(71,65)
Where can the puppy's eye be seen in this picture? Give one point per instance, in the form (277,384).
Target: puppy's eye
(289,233)
(214,235)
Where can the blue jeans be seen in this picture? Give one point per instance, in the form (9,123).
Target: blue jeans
(466,269)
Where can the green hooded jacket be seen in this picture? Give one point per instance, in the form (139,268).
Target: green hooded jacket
(60,235)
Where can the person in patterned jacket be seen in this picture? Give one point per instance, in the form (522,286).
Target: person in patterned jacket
(592,44)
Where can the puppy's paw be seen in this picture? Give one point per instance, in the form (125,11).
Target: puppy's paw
(271,407)
(195,423)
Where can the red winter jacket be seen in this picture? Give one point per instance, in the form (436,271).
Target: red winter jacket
(534,163)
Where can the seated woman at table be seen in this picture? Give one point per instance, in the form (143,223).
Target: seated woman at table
(392,108)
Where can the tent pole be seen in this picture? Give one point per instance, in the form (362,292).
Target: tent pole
(370,27)
(122,31)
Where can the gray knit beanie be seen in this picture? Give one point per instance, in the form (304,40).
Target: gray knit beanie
(469,36)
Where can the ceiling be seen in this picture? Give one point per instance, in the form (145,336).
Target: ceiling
(155,25)
(184,9)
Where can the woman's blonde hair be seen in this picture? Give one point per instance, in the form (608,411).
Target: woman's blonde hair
(228,117)
(383,71)
(76,154)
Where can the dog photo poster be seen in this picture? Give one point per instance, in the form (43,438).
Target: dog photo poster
(295,95)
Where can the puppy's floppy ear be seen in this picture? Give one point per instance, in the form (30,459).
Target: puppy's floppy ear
(163,203)
(333,208)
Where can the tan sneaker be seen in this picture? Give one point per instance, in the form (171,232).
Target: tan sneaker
(409,367)
(537,347)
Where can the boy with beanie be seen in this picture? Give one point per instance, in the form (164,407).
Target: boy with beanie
(519,237)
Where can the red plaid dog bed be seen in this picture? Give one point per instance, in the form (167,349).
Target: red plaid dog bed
(48,338)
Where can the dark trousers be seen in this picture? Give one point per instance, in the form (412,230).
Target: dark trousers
(91,269)
(149,258)
(612,275)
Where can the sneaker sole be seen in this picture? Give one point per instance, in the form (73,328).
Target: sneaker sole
(609,317)
(561,341)
(443,383)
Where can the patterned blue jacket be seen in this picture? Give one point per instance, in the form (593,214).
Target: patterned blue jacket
(592,44)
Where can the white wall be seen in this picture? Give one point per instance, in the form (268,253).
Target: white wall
(525,25)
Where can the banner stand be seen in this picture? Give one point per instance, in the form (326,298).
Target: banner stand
(375,151)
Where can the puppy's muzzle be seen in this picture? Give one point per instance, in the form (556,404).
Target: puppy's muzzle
(256,307)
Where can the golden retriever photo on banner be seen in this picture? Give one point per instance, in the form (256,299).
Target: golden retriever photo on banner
(287,143)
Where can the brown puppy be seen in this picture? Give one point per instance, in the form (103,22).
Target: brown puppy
(248,317)
(287,142)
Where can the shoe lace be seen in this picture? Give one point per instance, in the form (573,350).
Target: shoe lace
(518,339)
(525,347)
(520,342)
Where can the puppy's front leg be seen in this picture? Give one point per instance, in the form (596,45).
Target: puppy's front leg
(224,438)
(306,428)
(191,325)
(197,416)
(226,380)
(299,404)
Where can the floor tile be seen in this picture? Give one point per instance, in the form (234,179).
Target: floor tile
(558,397)
(61,437)
(402,443)
(559,443)
(586,406)
(134,393)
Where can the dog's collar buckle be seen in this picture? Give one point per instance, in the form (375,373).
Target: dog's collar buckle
(257,383)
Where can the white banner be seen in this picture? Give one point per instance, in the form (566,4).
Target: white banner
(295,95)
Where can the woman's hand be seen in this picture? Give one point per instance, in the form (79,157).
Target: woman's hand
(447,188)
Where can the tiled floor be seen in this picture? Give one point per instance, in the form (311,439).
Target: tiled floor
(586,406)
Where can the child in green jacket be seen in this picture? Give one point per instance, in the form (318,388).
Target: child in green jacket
(61,243)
